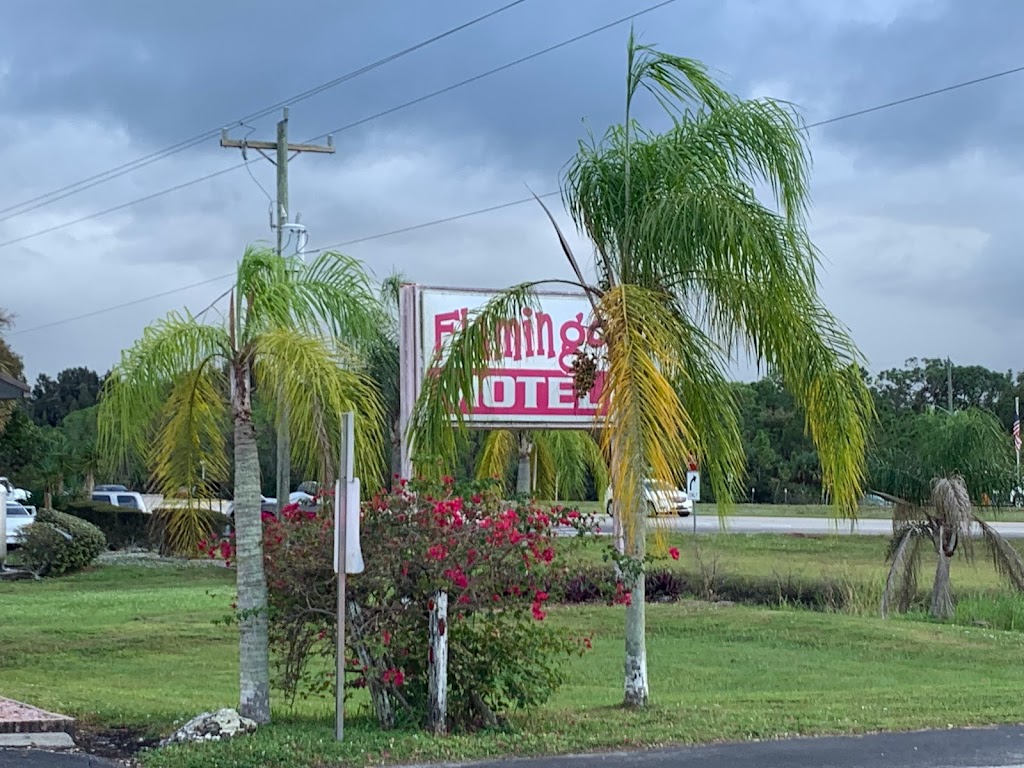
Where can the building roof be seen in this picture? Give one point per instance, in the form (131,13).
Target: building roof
(12,388)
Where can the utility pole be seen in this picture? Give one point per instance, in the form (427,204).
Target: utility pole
(949,383)
(282,149)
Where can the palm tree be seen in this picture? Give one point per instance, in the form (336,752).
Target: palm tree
(690,266)
(928,466)
(80,428)
(54,461)
(551,464)
(175,389)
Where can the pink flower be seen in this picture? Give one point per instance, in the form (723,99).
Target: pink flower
(673,552)
(538,614)
(437,552)
(386,637)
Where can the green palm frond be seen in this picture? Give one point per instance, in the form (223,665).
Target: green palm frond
(320,379)
(566,457)
(137,388)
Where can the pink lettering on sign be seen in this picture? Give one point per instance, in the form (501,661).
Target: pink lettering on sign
(529,338)
(532,394)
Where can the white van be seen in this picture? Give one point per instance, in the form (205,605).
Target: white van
(661,499)
(126,499)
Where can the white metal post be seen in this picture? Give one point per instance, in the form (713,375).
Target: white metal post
(340,524)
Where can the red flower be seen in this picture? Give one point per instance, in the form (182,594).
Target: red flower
(386,637)
(398,678)
(547,555)
(437,552)
(673,552)
(477,498)
(586,643)
(538,614)
(541,597)
(448,480)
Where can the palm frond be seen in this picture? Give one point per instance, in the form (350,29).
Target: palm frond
(1005,557)
(650,433)
(496,454)
(569,457)
(135,391)
(331,294)
(188,454)
(905,559)
(320,379)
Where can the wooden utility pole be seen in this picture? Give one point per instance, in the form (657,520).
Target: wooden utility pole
(282,149)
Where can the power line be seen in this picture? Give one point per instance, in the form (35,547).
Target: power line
(100,178)
(419,100)
(227,275)
(456,217)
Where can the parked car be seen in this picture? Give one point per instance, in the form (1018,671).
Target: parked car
(661,499)
(267,504)
(120,498)
(18,516)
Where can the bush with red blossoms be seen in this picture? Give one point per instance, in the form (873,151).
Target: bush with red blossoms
(495,560)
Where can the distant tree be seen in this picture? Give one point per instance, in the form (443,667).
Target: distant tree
(10,363)
(79,427)
(73,389)
(51,466)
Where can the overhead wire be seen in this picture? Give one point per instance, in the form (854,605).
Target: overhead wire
(392,110)
(74,188)
(488,209)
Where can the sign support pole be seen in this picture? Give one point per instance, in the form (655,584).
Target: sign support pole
(340,524)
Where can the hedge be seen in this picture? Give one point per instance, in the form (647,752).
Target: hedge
(123,527)
(57,543)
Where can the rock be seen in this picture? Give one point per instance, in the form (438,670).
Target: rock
(211,726)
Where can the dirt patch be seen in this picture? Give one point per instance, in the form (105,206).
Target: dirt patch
(121,744)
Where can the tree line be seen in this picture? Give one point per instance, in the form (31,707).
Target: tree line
(48,442)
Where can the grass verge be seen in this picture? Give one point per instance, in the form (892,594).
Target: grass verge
(138,647)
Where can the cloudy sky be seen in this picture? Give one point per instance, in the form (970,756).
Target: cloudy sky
(916,208)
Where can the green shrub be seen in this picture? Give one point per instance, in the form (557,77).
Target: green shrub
(123,527)
(57,543)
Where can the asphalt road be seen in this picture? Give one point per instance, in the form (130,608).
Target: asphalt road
(806,525)
(970,748)
(1001,747)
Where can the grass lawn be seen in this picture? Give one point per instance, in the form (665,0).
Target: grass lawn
(138,647)
(1000,514)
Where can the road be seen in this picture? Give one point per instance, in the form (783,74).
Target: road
(1001,747)
(815,526)
(961,748)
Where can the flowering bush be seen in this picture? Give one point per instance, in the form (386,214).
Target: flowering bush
(495,561)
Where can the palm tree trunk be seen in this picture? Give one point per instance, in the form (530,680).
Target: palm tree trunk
(48,498)
(90,483)
(254,654)
(523,472)
(942,594)
(637,686)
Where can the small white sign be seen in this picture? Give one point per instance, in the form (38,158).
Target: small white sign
(353,552)
(693,485)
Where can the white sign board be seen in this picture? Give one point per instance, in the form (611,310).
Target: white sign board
(693,485)
(353,552)
(531,383)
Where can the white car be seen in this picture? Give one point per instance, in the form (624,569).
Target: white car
(18,517)
(661,498)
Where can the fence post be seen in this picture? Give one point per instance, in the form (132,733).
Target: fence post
(437,704)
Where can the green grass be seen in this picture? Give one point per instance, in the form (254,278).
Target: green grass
(138,647)
(1005,515)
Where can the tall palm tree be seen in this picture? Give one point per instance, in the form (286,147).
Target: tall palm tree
(929,465)
(550,463)
(690,265)
(172,392)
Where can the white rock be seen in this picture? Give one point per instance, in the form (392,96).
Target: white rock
(211,726)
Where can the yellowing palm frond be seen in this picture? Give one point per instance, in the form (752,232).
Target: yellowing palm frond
(496,453)
(135,392)
(188,454)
